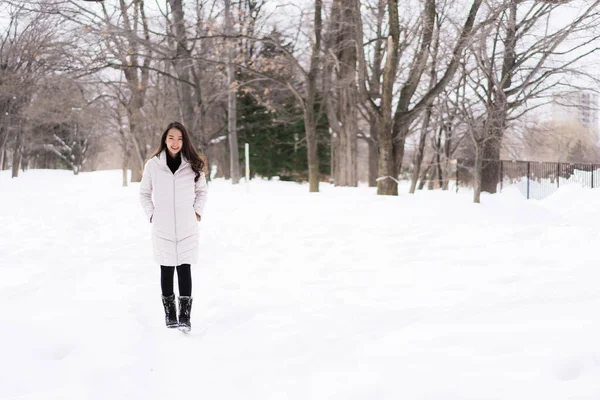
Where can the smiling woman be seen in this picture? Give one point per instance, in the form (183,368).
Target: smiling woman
(173,193)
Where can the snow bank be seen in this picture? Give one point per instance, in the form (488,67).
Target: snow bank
(340,294)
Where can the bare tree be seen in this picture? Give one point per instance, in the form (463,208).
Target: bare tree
(520,58)
(304,83)
(374,85)
(308,103)
(305,88)
(60,121)
(393,125)
(231,99)
(119,32)
(341,92)
(128,51)
(183,64)
(28,52)
(425,126)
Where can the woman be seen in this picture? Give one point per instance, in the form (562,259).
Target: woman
(173,193)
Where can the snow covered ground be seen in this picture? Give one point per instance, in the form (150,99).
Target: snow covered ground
(337,295)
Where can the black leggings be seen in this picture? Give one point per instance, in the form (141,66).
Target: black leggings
(184,279)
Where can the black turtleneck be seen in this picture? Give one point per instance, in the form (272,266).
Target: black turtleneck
(173,163)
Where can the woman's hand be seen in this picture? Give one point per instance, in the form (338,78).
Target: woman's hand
(198,217)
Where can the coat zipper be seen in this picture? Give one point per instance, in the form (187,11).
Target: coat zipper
(175,221)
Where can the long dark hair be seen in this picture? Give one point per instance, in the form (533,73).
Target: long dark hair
(188,150)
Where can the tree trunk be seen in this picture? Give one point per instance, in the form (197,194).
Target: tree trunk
(310,123)
(134,110)
(373,157)
(231,101)
(387,166)
(136,158)
(234,161)
(426,119)
(4,165)
(491,166)
(3,145)
(125,171)
(447,154)
(24,162)
(226,162)
(137,78)
(401,122)
(77,152)
(405,114)
(438,156)
(424,177)
(478,172)
(341,159)
(374,85)
(134,165)
(494,132)
(333,158)
(386,171)
(370,97)
(347,57)
(339,81)
(432,178)
(126,155)
(311,146)
(332,92)
(17,153)
(350,142)
(183,66)
(347,142)
(498,112)
(418,159)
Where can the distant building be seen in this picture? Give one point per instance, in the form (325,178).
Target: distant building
(579,107)
(568,134)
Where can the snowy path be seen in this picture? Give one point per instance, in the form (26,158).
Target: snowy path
(337,295)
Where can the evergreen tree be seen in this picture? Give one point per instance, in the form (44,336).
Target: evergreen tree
(277,147)
(270,122)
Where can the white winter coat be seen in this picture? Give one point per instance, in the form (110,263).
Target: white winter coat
(171,202)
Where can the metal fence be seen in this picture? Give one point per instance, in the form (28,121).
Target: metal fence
(536,180)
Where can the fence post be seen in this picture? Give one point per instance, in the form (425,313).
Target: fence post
(592,176)
(557,175)
(528,171)
(457,175)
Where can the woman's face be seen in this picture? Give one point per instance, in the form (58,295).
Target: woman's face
(174,141)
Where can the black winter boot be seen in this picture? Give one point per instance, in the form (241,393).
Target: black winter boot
(170,311)
(185,310)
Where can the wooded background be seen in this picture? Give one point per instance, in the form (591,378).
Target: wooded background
(414,84)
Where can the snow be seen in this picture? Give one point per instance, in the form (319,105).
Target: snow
(340,294)
(542,188)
